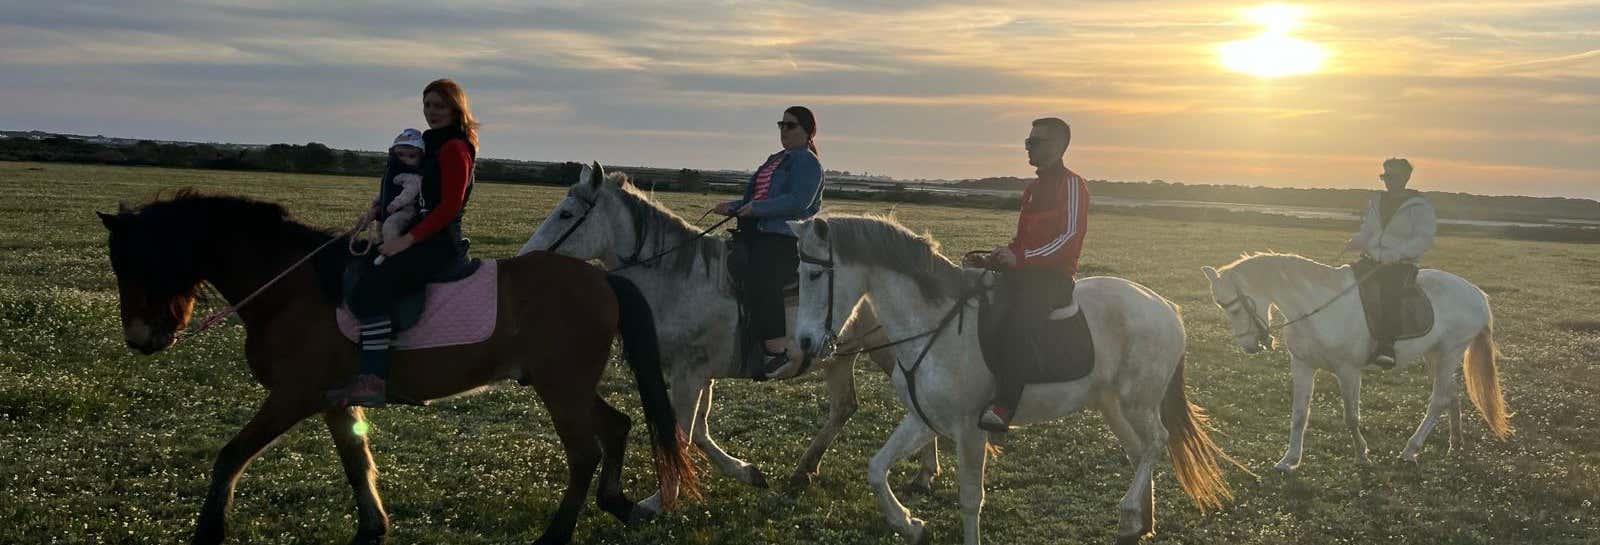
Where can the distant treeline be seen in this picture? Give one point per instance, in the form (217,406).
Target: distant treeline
(1455,205)
(316,158)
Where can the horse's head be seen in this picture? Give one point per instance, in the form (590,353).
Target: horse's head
(157,279)
(1245,310)
(830,290)
(581,225)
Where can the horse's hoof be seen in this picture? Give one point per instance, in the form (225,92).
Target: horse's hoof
(639,515)
(1409,455)
(755,477)
(920,533)
(369,539)
(799,482)
(1286,468)
(1128,540)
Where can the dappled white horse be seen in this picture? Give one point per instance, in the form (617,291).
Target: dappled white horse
(1137,381)
(1327,330)
(605,217)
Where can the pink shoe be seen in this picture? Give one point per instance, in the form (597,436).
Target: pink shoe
(362,391)
(996,419)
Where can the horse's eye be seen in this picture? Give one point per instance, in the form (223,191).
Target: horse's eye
(566,215)
(815,274)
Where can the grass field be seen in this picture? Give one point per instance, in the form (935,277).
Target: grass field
(98,445)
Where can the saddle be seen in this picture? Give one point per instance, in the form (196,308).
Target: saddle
(1416,311)
(458,307)
(1044,349)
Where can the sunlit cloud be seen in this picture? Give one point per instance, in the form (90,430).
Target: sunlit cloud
(1490,93)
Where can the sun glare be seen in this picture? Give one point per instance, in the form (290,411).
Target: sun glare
(1273,53)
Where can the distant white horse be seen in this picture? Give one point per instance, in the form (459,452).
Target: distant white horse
(1335,338)
(1137,381)
(605,217)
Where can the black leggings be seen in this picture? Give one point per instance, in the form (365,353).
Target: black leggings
(772,264)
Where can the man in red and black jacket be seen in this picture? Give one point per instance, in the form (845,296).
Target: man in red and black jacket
(1039,262)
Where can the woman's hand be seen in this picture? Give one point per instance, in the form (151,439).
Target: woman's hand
(747,210)
(721,209)
(397,245)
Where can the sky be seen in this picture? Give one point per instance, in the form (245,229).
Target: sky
(1485,96)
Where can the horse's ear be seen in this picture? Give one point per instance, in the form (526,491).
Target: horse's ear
(111,221)
(597,174)
(1211,274)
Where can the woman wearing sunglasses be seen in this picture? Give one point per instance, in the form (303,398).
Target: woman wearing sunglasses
(786,187)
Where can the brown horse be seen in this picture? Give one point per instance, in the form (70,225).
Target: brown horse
(556,320)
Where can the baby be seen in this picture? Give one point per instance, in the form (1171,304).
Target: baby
(404,181)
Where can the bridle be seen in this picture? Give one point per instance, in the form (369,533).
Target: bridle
(910,373)
(635,261)
(1258,325)
(589,207)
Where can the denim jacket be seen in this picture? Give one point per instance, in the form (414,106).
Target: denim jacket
(795,193)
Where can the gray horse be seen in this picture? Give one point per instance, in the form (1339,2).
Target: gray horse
(605,217)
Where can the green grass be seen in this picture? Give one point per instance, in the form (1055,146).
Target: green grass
(98,445)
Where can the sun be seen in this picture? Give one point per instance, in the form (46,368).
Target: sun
(1273,53)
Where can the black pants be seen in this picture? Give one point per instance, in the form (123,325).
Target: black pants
(1027,296)
(1393,281)
(770,266)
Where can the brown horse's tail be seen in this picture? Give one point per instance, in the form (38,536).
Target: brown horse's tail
(1194,455)
(1483,381)
(668,443)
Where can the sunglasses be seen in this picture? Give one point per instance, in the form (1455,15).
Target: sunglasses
(788,125)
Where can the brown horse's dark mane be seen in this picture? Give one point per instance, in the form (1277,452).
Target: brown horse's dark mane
(183,227)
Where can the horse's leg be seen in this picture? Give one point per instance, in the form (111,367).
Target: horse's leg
(372,524)
(281,411)
(883,359)
(1444,389)
(1138,442)
(745,472)
(1350,391)
(1454,412)
(613,426)
(841,404)
(1304,379)
(909,436)
(971,449)
(573,417)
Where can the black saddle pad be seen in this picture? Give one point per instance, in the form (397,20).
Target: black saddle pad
(1043,352)
(408,309)
(1416,311)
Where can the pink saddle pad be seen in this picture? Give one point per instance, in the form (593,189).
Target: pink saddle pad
(455,313)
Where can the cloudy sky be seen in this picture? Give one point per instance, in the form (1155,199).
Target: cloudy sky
(1485,96)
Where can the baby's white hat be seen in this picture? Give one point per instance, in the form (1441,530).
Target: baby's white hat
(409,137)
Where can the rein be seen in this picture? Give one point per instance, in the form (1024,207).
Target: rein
(1264,329)
(223,313)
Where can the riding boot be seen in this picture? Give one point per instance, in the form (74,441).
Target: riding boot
(369,387)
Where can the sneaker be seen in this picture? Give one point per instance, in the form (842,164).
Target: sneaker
(776,366)
(1384,358)
(362,391)
(996,419)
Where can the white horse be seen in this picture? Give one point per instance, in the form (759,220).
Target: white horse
(1329,332)
(605,217)
(1137,381)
